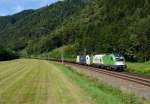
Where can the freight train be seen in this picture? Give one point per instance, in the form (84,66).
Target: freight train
(114,61)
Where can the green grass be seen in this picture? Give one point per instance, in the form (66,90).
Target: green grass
(33,81)
(140,68)
(101,93)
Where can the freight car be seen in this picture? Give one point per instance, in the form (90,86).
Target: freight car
(113,61)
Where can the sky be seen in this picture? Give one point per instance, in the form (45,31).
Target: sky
(9,7)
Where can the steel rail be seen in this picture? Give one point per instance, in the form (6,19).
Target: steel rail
(133,78)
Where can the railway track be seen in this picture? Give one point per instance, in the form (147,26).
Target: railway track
(125,76)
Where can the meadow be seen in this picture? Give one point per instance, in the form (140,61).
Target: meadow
(31,81)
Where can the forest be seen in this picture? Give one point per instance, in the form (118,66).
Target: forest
(80,27)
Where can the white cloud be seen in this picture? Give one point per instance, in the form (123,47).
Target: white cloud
(18,8)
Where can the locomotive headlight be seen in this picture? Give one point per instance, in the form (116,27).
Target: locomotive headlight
(120,61)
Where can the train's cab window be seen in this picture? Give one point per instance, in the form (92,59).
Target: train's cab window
(119,59)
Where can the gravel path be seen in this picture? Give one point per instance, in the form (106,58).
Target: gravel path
(126,86)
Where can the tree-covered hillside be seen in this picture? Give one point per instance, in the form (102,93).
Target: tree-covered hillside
(20,30)
(85,26)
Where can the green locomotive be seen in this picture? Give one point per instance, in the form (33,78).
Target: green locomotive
(113,61)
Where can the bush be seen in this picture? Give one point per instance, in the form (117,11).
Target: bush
(6,54)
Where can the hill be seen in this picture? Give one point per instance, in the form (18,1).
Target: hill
(83,26)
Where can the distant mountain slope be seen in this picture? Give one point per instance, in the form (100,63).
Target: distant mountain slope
(18,29)
(91,26)
(6,21)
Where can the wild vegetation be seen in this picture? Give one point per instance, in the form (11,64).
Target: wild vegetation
(6,54)
(90,26)
(139,68)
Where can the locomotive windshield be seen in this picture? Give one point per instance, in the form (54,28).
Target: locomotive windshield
(117,55)
(119,59)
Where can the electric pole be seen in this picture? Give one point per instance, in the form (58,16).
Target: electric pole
(62,50)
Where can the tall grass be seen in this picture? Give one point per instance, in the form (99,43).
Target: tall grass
(140,68)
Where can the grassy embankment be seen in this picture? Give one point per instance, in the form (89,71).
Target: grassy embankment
(140,68)
(101,93)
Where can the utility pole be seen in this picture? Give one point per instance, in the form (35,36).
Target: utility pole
(62,50)
(48,57)
(62,55)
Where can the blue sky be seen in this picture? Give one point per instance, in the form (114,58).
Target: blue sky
(8,7)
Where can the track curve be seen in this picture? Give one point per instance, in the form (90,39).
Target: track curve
(125,76)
